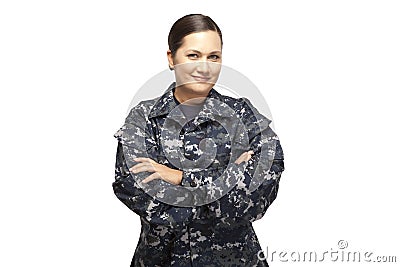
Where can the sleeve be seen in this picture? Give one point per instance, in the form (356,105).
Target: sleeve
(132,138)
(257,181)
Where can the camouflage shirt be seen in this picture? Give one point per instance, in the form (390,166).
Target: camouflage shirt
(204,221)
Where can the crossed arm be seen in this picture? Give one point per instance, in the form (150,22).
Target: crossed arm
(240,201)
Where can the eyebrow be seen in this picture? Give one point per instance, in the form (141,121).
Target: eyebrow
(213,52)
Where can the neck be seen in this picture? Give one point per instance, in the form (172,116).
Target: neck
(193,99)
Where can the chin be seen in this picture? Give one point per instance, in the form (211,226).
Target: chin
(198,87)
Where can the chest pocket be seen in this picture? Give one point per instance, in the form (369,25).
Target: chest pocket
(191,144)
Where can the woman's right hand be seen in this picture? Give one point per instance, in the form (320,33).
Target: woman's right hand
(244,157)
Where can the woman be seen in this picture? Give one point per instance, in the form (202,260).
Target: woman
(196,229)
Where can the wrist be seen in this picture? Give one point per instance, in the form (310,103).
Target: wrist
(180,177)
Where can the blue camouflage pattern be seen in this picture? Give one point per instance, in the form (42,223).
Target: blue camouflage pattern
(218,233)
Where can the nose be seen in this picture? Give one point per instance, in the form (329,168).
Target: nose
(203,67)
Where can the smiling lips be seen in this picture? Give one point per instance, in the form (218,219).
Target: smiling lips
(201,78)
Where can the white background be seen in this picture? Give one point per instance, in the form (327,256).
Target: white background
(329,71)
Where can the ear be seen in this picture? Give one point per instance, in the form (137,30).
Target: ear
(170,59)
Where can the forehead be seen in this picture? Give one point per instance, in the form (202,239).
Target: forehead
(205,42)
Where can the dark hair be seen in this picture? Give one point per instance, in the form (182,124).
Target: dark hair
(189,24)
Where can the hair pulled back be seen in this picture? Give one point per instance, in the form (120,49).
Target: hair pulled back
(190,24)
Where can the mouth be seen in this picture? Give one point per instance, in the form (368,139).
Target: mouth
(201,78)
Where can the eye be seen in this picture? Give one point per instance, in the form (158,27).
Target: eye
(192,55)
(214,57)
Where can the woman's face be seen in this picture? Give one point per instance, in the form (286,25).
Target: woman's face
(197,63)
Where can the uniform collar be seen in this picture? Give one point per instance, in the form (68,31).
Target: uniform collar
(166,104)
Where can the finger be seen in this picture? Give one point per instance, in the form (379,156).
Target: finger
(145,167)
(242,157)
(151,177)
(248,158)
(142,159)
(137,165)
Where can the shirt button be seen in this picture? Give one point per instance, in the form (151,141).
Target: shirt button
(193,184)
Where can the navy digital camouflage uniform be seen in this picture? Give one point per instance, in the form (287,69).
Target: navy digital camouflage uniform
(219,233)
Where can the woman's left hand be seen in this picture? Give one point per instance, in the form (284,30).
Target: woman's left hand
(163,172)
(246,156)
